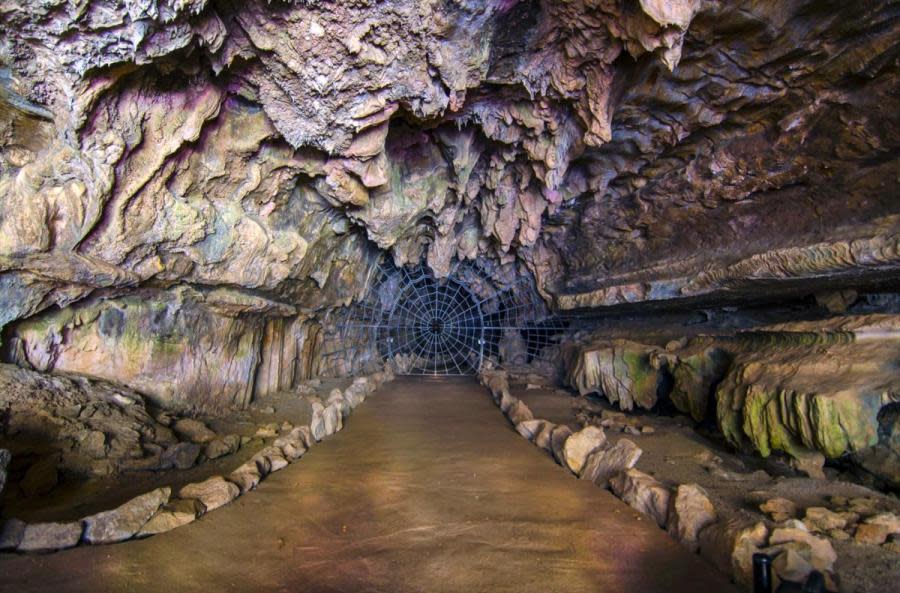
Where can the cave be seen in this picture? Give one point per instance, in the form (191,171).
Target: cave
(458,295)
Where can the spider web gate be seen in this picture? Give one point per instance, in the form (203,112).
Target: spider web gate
(425,325)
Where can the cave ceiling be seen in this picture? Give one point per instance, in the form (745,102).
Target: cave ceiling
(618,151)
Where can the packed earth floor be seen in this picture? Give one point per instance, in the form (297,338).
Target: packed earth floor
(428,488)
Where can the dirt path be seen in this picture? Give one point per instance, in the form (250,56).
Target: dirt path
(427,489)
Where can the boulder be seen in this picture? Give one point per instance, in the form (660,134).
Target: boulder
(213,493)
(126,520)
(172,515)
(530,428)
(507,401)
(822,520)
(730,545)
(317,423)
(543,438)
(821,554)
(890,520)
(643,493)
(779,509)
(690,510)
(336,398)
(46,537)
(581,444)
(193,431)
(267,431)
(519,413)
(246,477)
(792,562)
(271,458)
(558,439)
(220,447)
(11,533)
(294,444)
(604,463)
(334,420)
(181,455)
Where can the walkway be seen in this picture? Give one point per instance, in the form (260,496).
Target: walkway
(427,489)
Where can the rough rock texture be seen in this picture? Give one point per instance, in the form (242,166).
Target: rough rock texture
(213,493)
(46,537)
(126,520)
(813,390)
(690,510)
(643,493)
(265,155)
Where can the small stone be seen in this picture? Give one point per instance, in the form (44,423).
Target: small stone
(532,386)
(603,464)
(126,520)
(45,537)
(213,493)
(889,520)
(631,430)
(838,534)
(581,444)
(689,512)
(821,519)
(267,431)
(643,493)
(647,430)
(780,509)
(893,547)
(267,410)
(41,477)
(864,505)
(810,463)
(193,431)
(221,447)
(871,534)
(11,533)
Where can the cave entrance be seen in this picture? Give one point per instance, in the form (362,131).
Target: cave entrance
(435,326)
(424,325)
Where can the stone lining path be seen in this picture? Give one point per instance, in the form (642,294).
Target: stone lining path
(428,489)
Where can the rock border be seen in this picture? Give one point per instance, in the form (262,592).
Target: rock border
(158,511)
(686,511)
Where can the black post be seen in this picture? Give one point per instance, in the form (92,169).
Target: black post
(815,583)
(762,573)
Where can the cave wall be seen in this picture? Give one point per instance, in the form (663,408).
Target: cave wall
(619,151)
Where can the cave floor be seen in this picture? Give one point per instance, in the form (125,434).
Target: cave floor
(428,488)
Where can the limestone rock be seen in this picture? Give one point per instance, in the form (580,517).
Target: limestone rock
(643,493)
(544,436)
(580,444)
(779,509)
(46,537)
(558,439)
(818,551)
(690,511)
(171,516)
(247,476)
(531,428)
(294,444)
(602,464)
(519,413)
(11,533)
(730,545)
(213,492)
(126,520)
(822,520)
(181,455)
(219,447)
(193,431)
